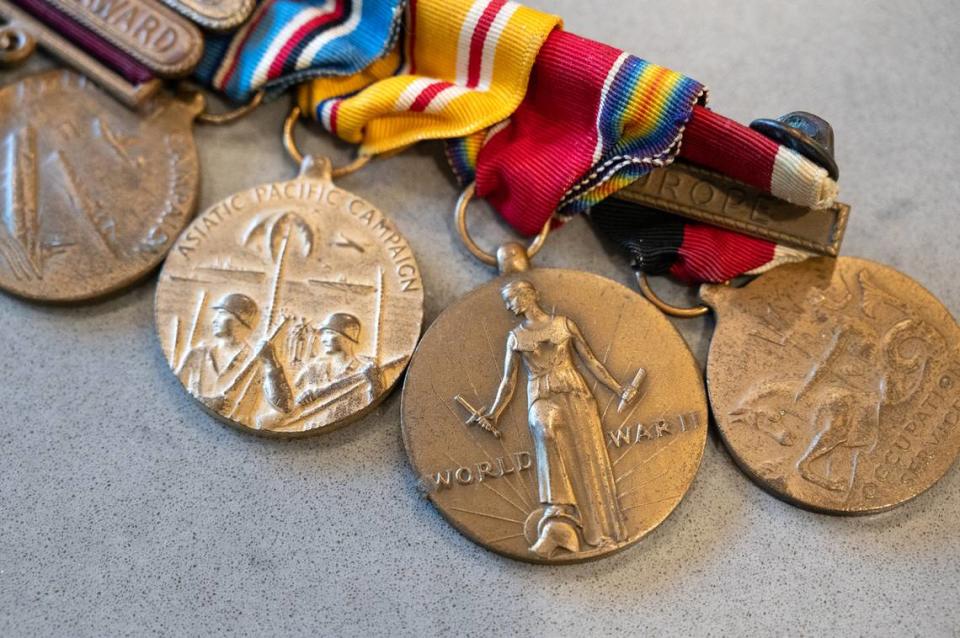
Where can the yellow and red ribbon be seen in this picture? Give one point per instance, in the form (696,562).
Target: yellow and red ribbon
(464,66)
(547,122)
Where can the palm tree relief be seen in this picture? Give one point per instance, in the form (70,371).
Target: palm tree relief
(577,487)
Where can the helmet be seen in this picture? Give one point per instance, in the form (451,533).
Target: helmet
(240,306)
(344,324)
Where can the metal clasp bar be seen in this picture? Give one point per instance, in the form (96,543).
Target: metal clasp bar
(133,95)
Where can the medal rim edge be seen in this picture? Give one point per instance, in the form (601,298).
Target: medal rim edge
(703,410)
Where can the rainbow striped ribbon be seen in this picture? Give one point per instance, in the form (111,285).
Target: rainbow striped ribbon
(545,121)
(619,117)
(464,66)
(286,42)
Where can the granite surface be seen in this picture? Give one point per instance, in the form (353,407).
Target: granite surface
(125,510)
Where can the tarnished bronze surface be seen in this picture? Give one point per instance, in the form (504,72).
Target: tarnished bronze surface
(92,194)
(552,415)
(149,32)
(714,199)
(215,15)
(836,383)
(291,308)
(19,21)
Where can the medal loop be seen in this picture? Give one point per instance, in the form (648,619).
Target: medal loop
(16,45)
(290,144)
(460,215)
(228,117)
(663,306)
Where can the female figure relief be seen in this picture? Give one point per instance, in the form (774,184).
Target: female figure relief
(576,481)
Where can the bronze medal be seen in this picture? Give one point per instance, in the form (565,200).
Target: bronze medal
(836,383)
(291,308)
(553,416)
(214,15)
(94,194)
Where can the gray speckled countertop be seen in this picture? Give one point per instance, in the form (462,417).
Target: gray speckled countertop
(125,510)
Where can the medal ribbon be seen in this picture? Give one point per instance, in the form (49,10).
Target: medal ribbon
(464,67)
(593,120)
(621,117)
(585,120)
(568,156)
(618,117)
(660,243)
(289,41)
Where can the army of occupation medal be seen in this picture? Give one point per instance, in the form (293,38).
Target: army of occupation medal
(93,194)
(833,380)
(290,308)
(545,428)
(836,383)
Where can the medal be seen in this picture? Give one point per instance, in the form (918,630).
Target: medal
(290,308)
(94,194)
(833,382)
(836,384)
(552,415)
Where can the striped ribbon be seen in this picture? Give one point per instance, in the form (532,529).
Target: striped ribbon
(286,42)
(620,117)
(464,66)
(660,243)
(739,152)
(593,120)
(560,135)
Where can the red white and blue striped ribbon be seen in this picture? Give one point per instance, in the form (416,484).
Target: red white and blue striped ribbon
(286,42)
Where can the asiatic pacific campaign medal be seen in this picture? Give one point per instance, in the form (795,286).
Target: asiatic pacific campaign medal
(290,308)
(553,415)
(836,383)
(93,194)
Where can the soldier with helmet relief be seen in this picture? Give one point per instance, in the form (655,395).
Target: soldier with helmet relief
(337,361)
(219,371)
